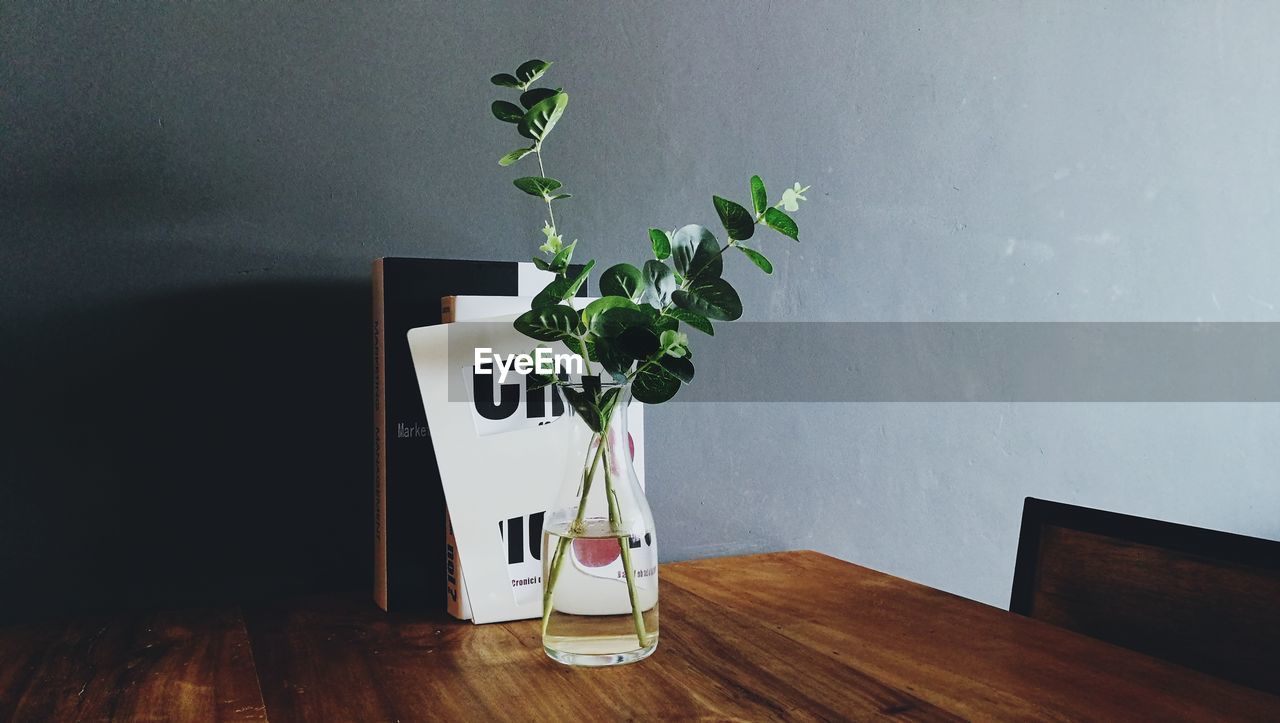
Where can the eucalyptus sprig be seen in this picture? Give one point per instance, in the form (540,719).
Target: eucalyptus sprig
(634,331)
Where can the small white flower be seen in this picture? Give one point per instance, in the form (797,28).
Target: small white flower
(792,197)
(554,241)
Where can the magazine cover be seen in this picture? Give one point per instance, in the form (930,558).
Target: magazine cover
(489,432)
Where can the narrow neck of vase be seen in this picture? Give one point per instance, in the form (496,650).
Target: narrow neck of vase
(615,415)
(618,450)
(601,493)
(602,422)
(601,407)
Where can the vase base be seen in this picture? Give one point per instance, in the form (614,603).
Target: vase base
(598,660)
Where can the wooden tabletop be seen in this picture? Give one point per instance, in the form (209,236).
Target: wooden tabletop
(785,635)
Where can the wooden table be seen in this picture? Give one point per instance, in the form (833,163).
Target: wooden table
(786,635)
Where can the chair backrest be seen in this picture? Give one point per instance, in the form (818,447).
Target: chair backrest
(1203,599)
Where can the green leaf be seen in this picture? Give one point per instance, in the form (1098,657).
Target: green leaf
(535,382)
(549,323)
(782,223)
(696,252)
(654,385)
(684,243)
(561,196)
(759,200)
(605,303)
(622,280)
(537,185)
(737,222)
(531,70)
(712,298)
(561,288)
(561,260)
(608,401)
(679,367)
(584,404)
(514,156)
(659,282)
(695,320)
(542,117)
(758,259)
(613,322)
(506,80)
(551,294)
(581,278)
(530,98)
(661,243)
(638,341)
(504,111)
(708,261)
(615,360)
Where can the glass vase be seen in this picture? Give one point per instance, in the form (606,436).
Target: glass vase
(600,554)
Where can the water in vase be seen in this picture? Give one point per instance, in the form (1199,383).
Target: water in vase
(594,616)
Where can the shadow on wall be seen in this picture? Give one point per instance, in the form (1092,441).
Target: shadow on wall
(197,448)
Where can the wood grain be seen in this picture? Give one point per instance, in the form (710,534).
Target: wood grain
(404,668)
(192,665)
(769,637)
(959,655)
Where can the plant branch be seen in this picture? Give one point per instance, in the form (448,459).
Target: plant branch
(732,242)
(586,358)
(624,544)
(631,377)
(537,151)
(557,560)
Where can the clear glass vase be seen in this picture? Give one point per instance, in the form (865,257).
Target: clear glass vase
(600,554)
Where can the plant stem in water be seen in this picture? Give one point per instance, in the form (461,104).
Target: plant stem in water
(558,558)
(624,543)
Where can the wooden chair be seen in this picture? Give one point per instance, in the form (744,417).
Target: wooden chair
(1203,599)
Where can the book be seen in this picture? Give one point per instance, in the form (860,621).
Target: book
(503,309)
(409,552)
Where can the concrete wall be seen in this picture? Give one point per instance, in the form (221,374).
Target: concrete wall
(195,193)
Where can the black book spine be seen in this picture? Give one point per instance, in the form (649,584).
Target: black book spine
(410,556)
(409,550)
(379,441)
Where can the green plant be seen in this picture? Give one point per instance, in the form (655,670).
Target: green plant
(634,330)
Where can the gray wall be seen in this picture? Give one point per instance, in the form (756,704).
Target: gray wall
(191,197)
